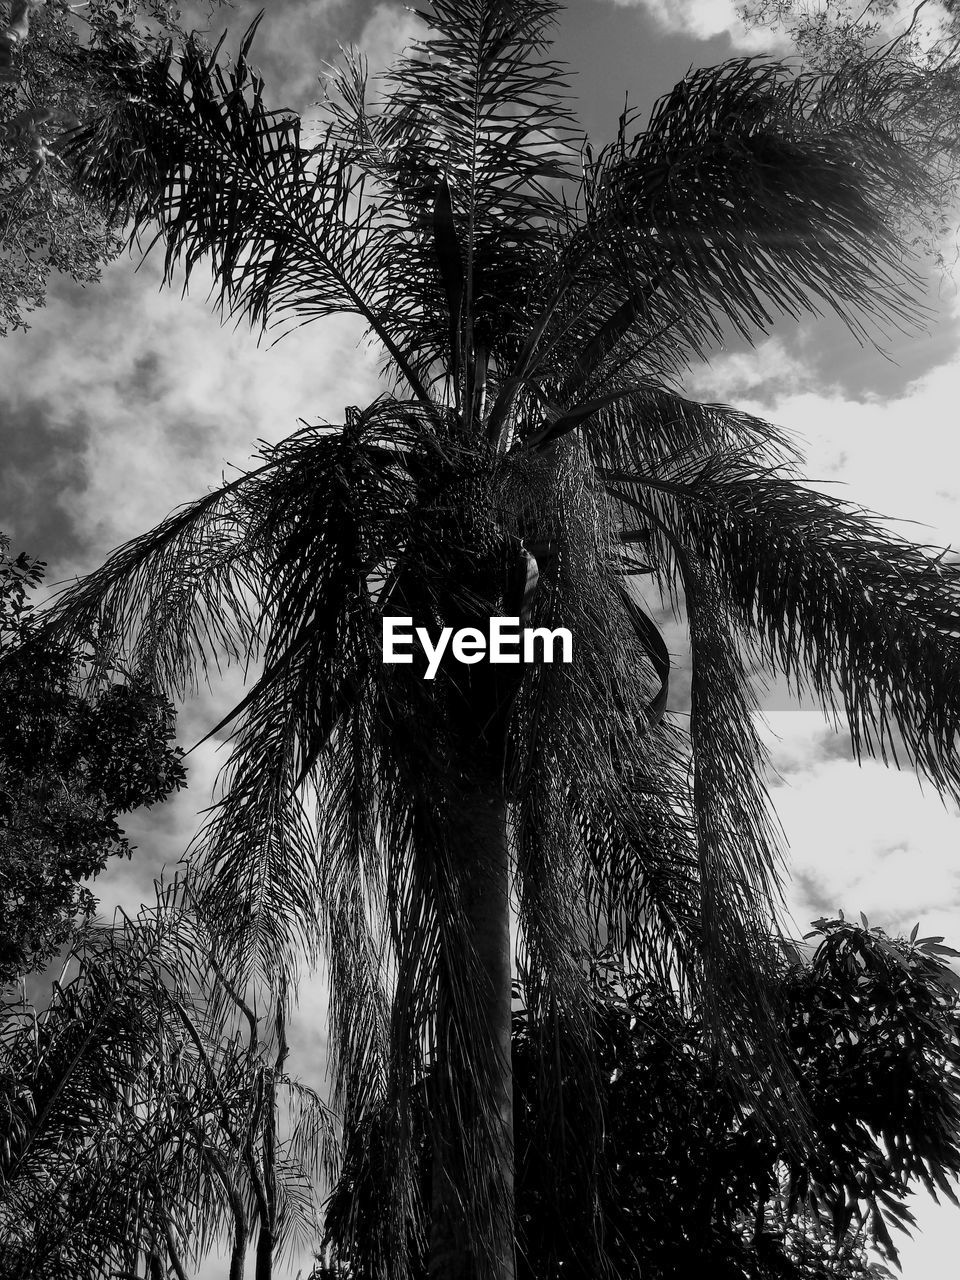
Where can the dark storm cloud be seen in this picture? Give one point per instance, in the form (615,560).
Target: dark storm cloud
(43,467)
(833,360)
(620,51)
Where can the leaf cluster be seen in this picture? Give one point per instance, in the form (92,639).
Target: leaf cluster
(685,1178)
(48,86)
(75,754)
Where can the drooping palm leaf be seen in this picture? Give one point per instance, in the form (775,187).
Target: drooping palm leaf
(145,1099)
(286,227)
(671,424)
(183,596)
(749,193)
(832,599)
(746,194)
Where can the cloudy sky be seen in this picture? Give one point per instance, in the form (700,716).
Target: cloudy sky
(123,401)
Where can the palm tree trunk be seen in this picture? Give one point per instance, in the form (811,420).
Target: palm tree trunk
(238,1250)
(264,1261)
(485,851)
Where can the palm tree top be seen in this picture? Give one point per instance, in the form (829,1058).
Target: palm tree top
(538,268)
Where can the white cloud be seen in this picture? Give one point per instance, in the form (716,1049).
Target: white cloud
(291,41)
(773,369)
(707,19)
(170,397)
(932,1252)
(387,33)
(899,456)
(862,837)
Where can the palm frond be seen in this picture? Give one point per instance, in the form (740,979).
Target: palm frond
(866,621)
(100,1066)
(750,193)
(328,518)
(255,861)
(740,854)
(196,153)
(351,911)
(586,751)
(178,599)
(308,1144)
(644,424)
(466,150)
(147,1096)
(758,191)
(492,116)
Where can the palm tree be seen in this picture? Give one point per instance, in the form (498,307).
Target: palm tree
(529,457)
(146,1085)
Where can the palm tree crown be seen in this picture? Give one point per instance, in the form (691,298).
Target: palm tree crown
(530,457)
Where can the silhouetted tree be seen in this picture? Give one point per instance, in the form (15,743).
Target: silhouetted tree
(146,1113)
(80,745)
(688,1180)
(528,458)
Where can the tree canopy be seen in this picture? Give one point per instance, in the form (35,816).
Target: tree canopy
(48,51)
(690,1179)
(79,747)
(692,1182)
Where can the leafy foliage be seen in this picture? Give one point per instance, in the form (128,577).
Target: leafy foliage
(908,53)
(48,88)
(691,1177)
(688,1178)
(74,756)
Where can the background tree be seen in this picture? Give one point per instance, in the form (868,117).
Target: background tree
(690,1179)
(78,748)
(47,87)
(533,300)
(148,1085)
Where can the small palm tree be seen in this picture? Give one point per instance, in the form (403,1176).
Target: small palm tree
(529,457)
(146,1085)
